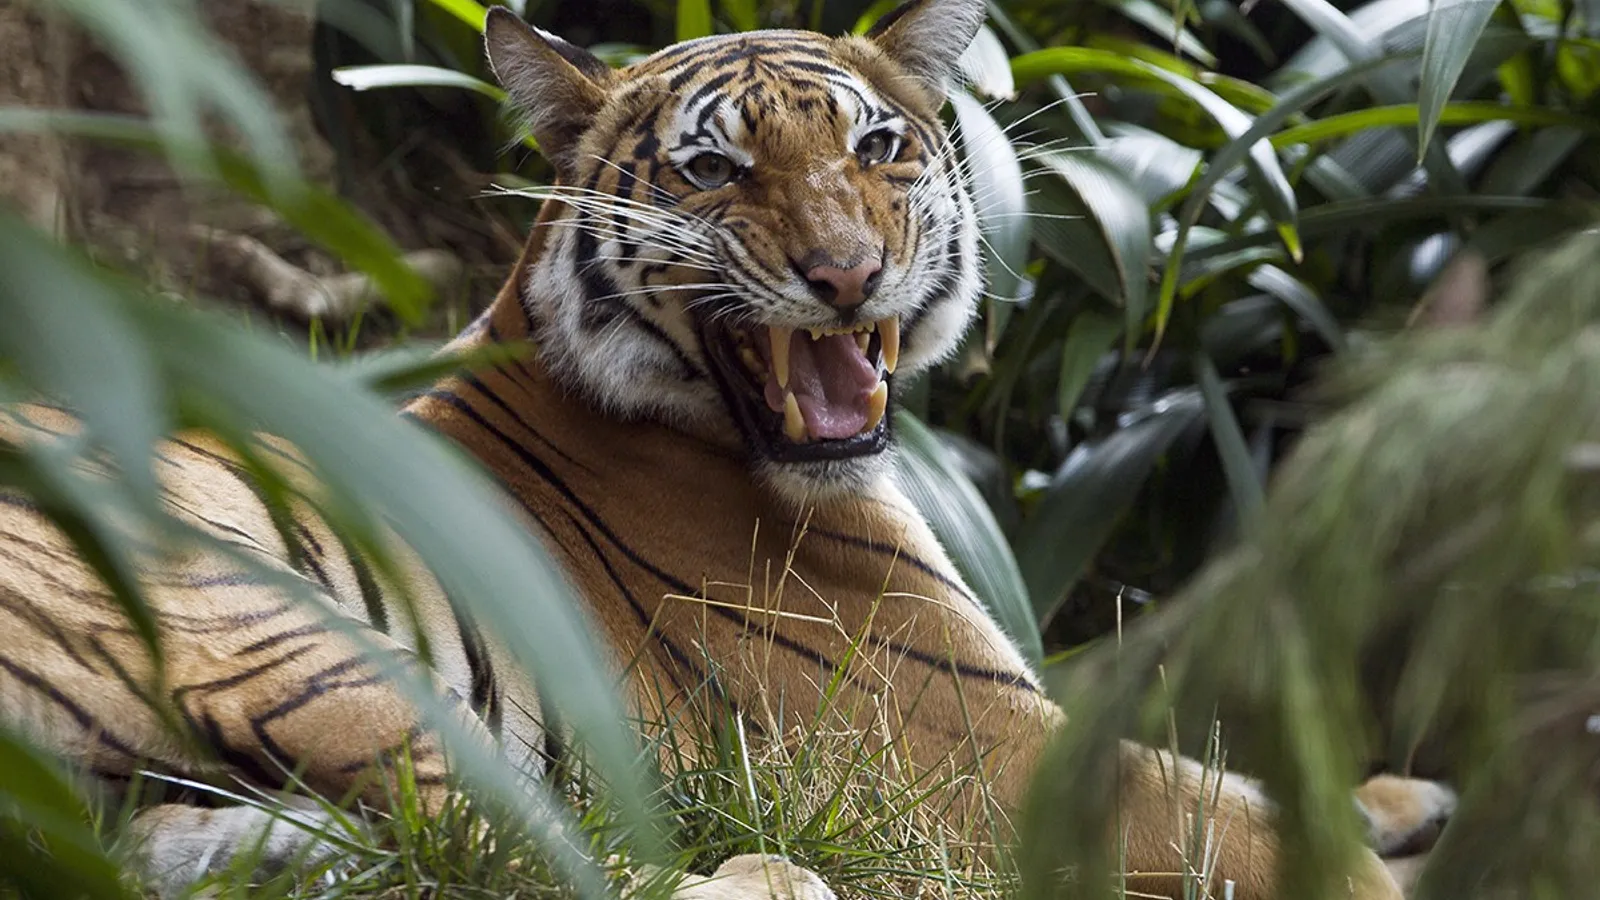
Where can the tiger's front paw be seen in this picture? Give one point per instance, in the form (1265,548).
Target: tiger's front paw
(1404,815)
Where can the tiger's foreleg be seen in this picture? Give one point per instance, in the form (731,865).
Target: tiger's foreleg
(294,697)
(177,844)
(1161,797)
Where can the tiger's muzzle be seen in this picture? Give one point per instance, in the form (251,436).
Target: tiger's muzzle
(807,395)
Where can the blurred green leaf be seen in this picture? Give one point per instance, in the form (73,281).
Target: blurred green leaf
(1453,30)
(469,11)
(64,859)
(317,214)
(967,530)
(694,19)
(742,14)
(66,335)
(873,13)
(366,78)
(183,74)
(414,366)
(1530,160)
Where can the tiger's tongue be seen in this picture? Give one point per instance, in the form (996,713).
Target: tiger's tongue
(832,382)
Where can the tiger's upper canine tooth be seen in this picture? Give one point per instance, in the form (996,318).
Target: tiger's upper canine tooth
(779,336)
(816,333)
(877,402)
(863,340)
(889,330)
(794,425)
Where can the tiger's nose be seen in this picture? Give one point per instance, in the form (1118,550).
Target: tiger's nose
(845,289)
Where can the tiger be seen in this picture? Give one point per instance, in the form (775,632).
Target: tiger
(752,240)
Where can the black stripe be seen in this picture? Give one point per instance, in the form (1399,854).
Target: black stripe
(676,653)
(539,468)
(473,382)
(79,715)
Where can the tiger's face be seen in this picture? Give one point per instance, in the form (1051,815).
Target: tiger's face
(759,234)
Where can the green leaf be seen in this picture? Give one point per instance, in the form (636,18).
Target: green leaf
(694,19)
(373,466)
(1463,113)
(1123,220)
(1066,233)
(1453,30)
(1249,496)
(366,78)
(1272,188)
(1238,149)
(873,13)
(469,11)
(1298,296)
(1161,23)
(987,66)
(1387,86)
(315,213)
(1088,338)
(1530,159)
(1157,166)
(967,529)
(1089,494)
(742,13)
(995,181)
(1332,218)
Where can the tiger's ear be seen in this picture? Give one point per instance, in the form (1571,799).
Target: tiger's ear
(559,87)
(927,37)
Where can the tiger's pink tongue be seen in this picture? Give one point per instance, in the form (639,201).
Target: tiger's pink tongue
(832,382)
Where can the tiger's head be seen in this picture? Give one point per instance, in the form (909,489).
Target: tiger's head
(758,234)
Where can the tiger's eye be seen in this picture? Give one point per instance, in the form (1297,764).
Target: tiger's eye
(712,170)
(877,147)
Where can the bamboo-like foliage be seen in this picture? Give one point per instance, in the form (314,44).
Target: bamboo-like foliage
(1451,502)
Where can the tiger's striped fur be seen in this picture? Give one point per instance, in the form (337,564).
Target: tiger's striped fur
(713,555)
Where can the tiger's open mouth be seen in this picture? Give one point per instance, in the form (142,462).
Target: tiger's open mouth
(804,395)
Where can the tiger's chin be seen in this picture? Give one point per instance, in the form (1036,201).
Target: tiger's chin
(810,404)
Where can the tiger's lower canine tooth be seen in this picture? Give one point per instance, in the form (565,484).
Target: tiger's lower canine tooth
(863,339)
(780,352)
(877,402)
(750,358)
(794,425)
(890,330)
